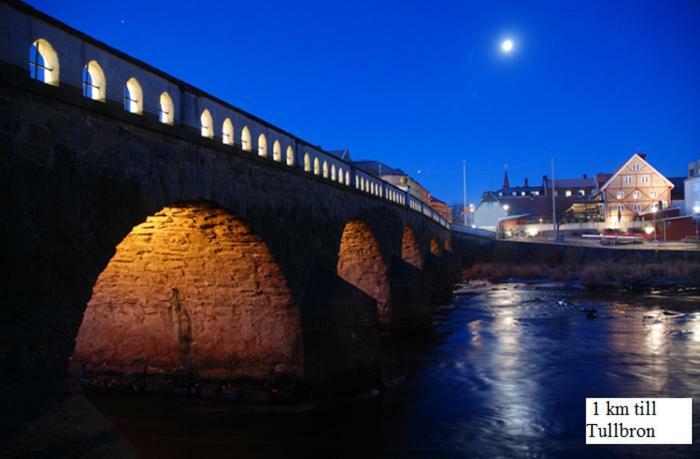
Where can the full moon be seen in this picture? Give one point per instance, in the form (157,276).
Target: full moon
(507,45)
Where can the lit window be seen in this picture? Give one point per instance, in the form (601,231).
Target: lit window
(635,194)
(663,205)
(515,193)
(133,96)
(654,207)
(227,132)
(567,193)
(500,193)
(246,142)
(522,193)
(620,195)
(262,145)
(43,62)
(637,208)
(582,192)
(627,179)
(207,124)
(535,193)
(635,167)
(166,109)
(644,178)
(620,208)
(94,81)
(277,151)
(307,163)
(290,156)
(653,193)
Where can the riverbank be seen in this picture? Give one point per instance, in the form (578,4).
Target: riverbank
(607,274)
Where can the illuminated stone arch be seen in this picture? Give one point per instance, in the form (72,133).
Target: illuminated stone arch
(360,263)
(227,132)
(166,109)
(262,145)
(333,172)
(325,169)
(277,151)
(133,96)
(246,142)
(290,156)
(94,82)
(410,249)
(434,246)
(317,166)
(191,291)
(44,64)
(307,162)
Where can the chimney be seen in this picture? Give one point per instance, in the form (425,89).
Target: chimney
(526,182)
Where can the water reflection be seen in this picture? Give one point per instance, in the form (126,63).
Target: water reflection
(505,374)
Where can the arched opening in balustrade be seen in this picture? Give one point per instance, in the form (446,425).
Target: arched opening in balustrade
(361,264)
(333,172)
(317,166)
(410,250)
(262,145)
(434,246)
(192,291)
(43,62)
(290,156)
(347,178)
(227,132)
(207,124)
(277,151)
(246,141)
(133,96)
(341,177)
(325,169)
(94,82)
(307,162)
(166,109)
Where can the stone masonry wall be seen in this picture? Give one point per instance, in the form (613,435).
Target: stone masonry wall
(192,291)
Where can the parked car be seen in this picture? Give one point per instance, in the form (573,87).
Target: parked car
(619,237)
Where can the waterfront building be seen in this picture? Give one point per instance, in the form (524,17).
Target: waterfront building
(634,189)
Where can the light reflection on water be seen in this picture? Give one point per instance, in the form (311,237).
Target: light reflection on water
(504,374)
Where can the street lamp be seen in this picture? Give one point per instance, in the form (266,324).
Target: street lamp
(506,207)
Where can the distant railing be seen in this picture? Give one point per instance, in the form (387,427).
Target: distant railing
(56,54)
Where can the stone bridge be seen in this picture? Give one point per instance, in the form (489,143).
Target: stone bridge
(138,237)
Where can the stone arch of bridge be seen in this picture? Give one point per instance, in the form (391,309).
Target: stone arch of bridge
(193,290)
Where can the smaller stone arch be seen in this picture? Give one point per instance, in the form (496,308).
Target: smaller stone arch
(133,96)
(410,249)
(94,82)
(166,109)
(347,178)
(325,169)
(307,162)
(290,156)
(434,246)
(246,142)
(44,65)
(317,166)
(277,151)
(227,132)
(448,244)
(206,124)
(341,177)
(262,145)
(361,264)
(333,172)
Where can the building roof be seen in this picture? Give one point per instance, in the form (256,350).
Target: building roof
(378,168)
(640,156)
(582,182)
(341,154)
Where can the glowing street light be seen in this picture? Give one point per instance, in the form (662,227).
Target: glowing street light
(506,207)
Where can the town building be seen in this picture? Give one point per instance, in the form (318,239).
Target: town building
(489,212)
(634,189)
(691,186)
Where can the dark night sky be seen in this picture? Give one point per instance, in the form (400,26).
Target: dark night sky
(422,85)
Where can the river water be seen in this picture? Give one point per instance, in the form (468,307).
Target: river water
(504,372)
